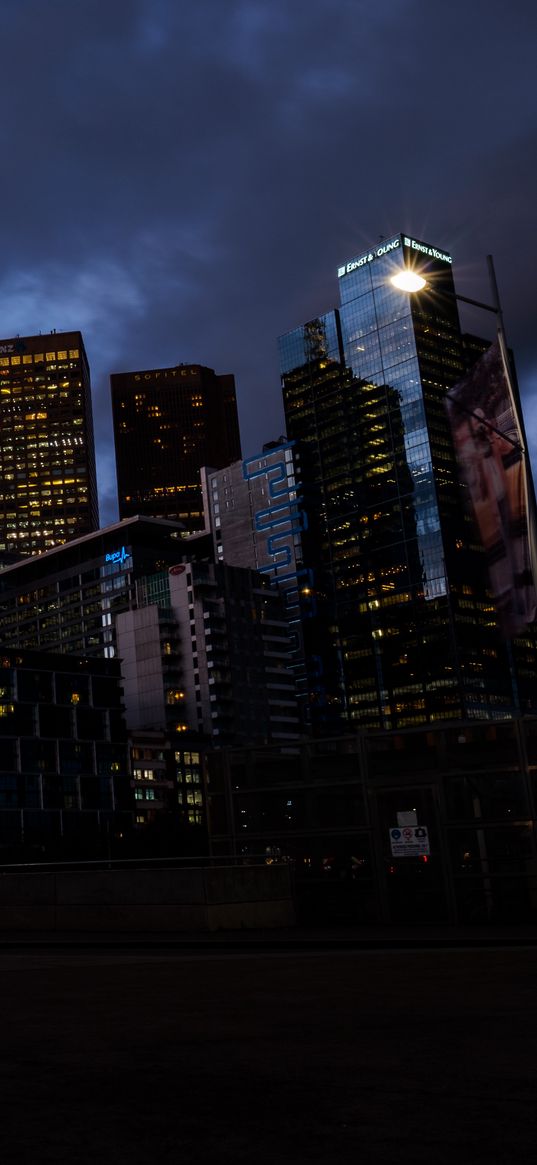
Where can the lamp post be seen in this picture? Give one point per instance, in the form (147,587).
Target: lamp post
(409,280)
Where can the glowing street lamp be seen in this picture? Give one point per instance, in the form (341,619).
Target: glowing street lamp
(407,280)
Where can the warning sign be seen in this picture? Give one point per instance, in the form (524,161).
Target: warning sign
(409,842)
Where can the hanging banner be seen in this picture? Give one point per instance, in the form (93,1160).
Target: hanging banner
(488,444)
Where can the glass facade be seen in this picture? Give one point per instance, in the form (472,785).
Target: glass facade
(48,489)
(406,629)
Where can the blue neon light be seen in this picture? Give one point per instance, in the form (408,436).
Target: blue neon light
(118,555)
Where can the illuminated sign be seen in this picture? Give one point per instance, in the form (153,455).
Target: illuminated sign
(426,250)
(363,260)
(164,373)
(392,245)
(177,569)
(118,555)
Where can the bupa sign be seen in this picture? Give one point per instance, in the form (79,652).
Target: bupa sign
(118,555)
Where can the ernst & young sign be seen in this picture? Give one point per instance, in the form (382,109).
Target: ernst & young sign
(386,248)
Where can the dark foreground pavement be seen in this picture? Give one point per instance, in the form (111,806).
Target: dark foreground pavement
(235,1056)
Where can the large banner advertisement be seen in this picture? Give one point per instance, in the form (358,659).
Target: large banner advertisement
(491,458)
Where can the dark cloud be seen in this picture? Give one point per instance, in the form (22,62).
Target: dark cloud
(181,180)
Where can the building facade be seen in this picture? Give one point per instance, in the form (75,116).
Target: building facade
(168,778)
(427,825)
(48,489)
(406,631)
(254,511)
(64,769)
(206,654)
(67,599)
(168,422)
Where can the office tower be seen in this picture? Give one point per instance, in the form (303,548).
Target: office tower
(206,653)
(254,513)
(48,489)
(67,599)
(198,630)
(168,422)
(407,632)
(252,510)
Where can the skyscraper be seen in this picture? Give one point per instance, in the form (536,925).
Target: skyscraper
(168,422)
(253,511)
(409,633)
(48,489)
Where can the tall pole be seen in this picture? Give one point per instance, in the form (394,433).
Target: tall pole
(496,300)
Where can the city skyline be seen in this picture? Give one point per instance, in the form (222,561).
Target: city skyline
(184,184)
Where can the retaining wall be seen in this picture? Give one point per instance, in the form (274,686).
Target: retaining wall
(217,898)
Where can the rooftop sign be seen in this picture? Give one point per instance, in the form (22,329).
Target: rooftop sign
(427,250)
(118,555)
(363,260)
(392,245)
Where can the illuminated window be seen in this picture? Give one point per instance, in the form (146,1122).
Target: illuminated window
(175,697)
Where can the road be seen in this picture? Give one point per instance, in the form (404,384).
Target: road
(224,1057)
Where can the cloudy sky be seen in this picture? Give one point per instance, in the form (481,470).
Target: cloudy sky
(182,179)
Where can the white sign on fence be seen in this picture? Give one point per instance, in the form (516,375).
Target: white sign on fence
(410,841)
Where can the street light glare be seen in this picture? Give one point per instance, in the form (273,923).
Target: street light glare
(408,281)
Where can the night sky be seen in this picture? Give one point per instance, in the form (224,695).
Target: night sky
(182,179)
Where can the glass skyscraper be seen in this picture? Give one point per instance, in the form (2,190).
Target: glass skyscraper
(404,630)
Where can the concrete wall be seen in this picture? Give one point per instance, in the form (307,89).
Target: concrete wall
(219,898)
